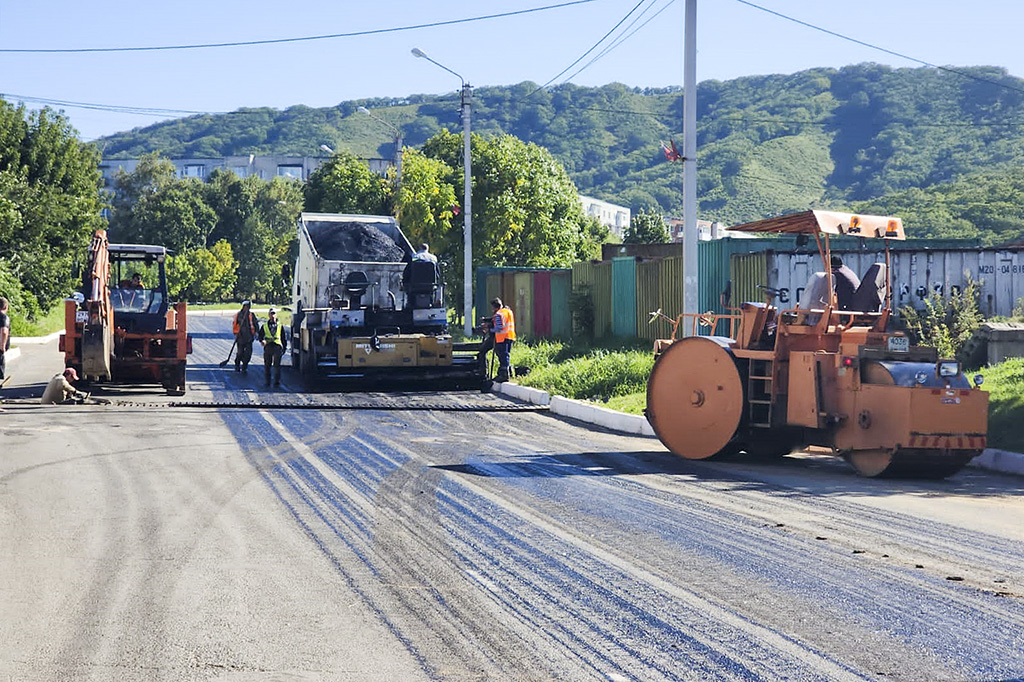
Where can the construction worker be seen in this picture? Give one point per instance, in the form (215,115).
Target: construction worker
(245,327)
(273,341)
(60,391)
(424,254)
(845,282)
(5,334)
(503,325)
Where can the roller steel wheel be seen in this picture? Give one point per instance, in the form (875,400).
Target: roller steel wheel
(695,398)
(909,462)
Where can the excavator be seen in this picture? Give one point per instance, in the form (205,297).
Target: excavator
(121,330)
(823,374)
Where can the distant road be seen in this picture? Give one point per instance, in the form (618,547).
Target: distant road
(268,543)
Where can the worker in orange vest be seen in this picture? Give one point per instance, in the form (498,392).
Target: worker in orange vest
(503,325)
(245,327)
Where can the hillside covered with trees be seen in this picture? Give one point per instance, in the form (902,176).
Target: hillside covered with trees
(941,147)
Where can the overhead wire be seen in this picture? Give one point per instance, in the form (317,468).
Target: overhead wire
(862,43)
(277,41)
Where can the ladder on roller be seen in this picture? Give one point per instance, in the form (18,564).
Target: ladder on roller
(759,392)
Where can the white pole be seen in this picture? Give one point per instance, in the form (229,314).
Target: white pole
(691,278)
(467,289)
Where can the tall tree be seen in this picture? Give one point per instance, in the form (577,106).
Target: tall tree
(345,184)
(49,200)
(646,228)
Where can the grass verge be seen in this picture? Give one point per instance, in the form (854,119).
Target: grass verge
(1005,385)
(53,321)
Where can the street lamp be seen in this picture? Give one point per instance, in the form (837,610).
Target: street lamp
(467,291)
(326,149)
(398,142)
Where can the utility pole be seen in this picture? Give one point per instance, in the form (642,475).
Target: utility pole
(467,288)
(691,279)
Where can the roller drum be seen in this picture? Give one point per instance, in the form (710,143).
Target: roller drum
(695,397)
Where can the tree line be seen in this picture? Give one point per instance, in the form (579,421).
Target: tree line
(233,238)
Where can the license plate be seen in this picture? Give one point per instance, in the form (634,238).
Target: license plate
(899,344)
(82,316)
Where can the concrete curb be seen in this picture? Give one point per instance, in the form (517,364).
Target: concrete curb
(21,340)
(581,410)
(1001,461)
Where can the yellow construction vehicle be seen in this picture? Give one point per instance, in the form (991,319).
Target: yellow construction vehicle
(818,374)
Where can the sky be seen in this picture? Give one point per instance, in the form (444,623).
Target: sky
(734,38)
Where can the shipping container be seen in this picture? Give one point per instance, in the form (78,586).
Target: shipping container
(542,304)
(915,273)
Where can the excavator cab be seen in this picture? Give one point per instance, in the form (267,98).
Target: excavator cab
(138,287)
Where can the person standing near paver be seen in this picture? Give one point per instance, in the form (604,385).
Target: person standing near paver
(273,342)
(245,327)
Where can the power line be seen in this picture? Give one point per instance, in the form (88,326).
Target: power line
(592,48)
(862,43)
(276,41)
(623,38)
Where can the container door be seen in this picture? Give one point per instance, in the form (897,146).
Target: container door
(624,296)
(522,305)
(541,304)
(561,315)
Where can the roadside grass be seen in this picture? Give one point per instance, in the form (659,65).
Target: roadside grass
(52,321)
(1005,385)
(613,373)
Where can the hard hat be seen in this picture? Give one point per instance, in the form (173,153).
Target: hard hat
(273,311)
(245,303)
(71,373)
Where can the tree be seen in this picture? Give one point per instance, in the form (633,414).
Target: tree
(49,201)
(426,205)
(202,274)
(345,184)
(646,228)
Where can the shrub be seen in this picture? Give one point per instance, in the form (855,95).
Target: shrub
(946,322)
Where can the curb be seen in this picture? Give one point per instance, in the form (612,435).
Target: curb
(1001,461)
(35,339)
(580,410)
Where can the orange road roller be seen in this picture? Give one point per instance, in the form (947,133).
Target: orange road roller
(828,373)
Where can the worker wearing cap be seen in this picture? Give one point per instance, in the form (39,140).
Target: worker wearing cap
(245,328)
(504,327)
(60,391)
(273,341)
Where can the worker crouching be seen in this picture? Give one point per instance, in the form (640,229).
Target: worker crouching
(60,390)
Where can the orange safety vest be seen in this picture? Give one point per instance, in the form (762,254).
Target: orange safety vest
(237,325)
(504,325)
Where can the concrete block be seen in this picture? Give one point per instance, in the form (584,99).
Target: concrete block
(1002,461)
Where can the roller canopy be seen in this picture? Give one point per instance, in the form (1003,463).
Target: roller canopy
(830,222)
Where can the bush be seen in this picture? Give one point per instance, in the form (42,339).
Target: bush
(946,322)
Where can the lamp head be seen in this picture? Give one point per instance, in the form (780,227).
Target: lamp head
(362,110)
(417,52)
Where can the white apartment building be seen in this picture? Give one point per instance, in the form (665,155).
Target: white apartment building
(264,167)
(614,217)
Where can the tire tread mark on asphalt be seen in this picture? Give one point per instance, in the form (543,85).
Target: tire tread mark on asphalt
(978,609)
(314,522)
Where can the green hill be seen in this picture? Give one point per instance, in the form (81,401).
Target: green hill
(941,148)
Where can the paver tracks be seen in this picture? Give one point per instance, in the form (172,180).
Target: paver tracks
(494,547)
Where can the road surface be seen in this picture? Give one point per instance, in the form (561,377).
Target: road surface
(141,541)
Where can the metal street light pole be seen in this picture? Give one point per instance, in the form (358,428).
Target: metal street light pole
(398,143)
(467,290)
